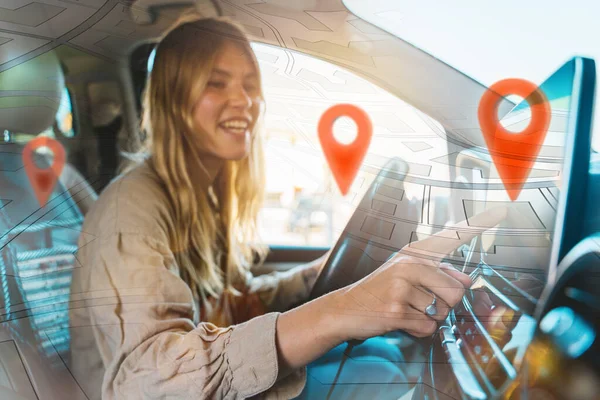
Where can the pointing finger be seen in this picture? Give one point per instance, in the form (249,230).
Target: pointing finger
(446,241)
(456,274)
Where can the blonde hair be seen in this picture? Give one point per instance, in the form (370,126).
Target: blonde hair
(182,65)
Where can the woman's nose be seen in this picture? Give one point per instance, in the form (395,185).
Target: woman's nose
(240,98)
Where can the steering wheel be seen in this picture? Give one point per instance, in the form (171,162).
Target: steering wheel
(349,260)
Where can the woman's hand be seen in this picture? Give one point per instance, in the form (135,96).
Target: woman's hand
(395,297)
(397,294)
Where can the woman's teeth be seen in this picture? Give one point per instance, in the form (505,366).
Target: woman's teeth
(235,126)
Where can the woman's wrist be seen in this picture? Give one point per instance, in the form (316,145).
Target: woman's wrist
(307,332)
(330,324)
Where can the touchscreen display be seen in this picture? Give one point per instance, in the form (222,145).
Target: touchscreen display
(509,263)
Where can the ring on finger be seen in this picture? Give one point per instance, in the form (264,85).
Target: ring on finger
(431,310)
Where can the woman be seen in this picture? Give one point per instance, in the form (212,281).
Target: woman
(164,286)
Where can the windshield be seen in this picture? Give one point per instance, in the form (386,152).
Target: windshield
(490,41)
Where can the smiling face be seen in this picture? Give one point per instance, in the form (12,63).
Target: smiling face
(228,108)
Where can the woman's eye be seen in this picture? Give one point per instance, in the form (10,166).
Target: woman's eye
(251,88)
(216,84)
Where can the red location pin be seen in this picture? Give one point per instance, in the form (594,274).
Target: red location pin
(345,159)
(514,153)
(43,179)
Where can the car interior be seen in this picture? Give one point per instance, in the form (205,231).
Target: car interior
(527,327)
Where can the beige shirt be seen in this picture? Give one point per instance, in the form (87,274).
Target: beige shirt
(135,328)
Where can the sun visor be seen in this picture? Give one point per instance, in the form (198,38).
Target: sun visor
(30,94)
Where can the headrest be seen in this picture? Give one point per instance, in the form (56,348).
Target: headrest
(30,94)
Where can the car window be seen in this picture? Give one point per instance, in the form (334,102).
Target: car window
(303,204)
(486,48)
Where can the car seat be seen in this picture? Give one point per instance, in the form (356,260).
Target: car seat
(38,247)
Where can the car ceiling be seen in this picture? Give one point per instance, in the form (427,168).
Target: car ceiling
(324,29)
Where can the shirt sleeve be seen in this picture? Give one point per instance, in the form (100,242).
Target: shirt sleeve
(143,312)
